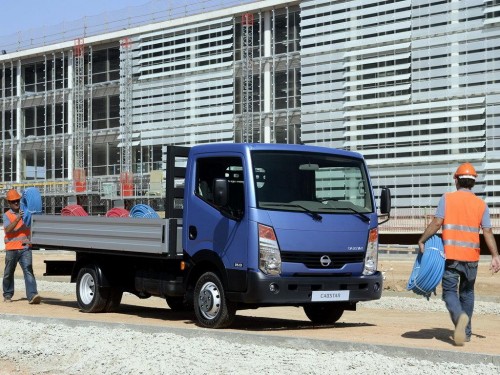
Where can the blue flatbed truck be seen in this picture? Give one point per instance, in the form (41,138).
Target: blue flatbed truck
(246,226)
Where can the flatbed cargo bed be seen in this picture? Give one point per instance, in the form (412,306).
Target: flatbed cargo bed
(137,235)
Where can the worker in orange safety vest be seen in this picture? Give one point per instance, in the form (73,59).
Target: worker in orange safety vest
(461,215)
(17,250)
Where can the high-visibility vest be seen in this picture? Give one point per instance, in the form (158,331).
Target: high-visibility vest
(462,222)
(15,239)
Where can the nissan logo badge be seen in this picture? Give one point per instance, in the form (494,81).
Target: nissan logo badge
(325,260)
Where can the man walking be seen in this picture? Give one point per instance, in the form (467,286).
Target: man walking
(461,215)
(17,250)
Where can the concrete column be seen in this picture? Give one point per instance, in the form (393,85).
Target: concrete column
(19,125)
(268,97)
(454,71)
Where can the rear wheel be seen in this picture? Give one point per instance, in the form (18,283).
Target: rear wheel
(88,294)
(114,299)
(211,307)
(323,313)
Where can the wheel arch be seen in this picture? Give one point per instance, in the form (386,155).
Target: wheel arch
(98,267)
(206,261)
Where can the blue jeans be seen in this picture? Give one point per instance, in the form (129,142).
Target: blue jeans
(25,259)
(458,289)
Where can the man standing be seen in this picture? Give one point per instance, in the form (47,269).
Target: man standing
(461,215)
(17,250)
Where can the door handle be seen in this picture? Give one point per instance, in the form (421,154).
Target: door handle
(193,232)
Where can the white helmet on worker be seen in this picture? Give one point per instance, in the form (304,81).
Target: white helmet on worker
(466,170)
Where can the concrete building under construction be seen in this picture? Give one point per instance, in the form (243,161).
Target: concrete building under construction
(412,85)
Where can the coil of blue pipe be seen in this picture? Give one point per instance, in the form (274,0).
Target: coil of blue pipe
(31,204)
(143,211)
(428,268)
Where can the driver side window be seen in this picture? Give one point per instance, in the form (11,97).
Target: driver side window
(228,168)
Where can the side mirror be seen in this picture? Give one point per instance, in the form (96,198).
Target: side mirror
(220,192)
(385,201)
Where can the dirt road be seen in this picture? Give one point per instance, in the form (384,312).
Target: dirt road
(385,325)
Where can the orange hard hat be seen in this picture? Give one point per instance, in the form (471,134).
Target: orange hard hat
(13,195)
(466,170)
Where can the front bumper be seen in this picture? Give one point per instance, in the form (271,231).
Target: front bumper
(267,290)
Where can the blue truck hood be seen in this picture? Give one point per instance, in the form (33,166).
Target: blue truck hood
(297,231)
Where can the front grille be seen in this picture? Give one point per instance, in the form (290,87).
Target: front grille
(312,260)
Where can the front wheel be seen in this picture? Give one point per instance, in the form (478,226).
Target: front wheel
(88,295)
(211,307)
(323,313)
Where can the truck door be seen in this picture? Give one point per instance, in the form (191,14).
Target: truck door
(219,231)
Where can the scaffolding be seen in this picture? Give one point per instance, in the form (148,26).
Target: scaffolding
(79,115)
(126,126)
(247,76)
(70,117)
(88,131)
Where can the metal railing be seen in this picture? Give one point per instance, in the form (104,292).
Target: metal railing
(45,187)
(133,16)
(108,187)
(403,220)
(415,220)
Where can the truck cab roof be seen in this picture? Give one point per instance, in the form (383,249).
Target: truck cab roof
(246,147)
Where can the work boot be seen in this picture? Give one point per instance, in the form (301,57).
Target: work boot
(35,300)
(459,334)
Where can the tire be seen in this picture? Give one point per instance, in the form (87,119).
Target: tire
(114,299)
(210,304)
(323,313)
(88,293)
(177,303)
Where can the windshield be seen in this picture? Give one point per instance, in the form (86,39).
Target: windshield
(311,182)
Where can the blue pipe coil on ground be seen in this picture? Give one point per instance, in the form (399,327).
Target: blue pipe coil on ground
(31,204)
(143,211)
(428,269)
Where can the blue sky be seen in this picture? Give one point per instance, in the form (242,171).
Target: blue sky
(19,15)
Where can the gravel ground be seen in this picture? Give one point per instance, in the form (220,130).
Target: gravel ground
(31,346)
(39,348)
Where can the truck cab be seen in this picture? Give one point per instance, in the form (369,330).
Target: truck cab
(281,225)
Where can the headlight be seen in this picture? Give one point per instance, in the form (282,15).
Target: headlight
(269,251)
(371,257)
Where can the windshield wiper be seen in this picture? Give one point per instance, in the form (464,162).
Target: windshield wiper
(361,215)
(314,215)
